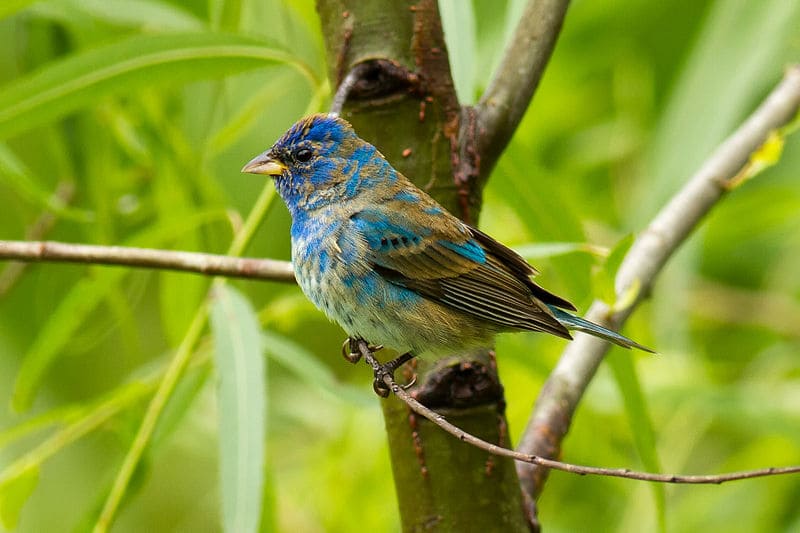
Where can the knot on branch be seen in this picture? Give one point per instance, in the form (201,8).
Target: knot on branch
(461,384)
(383,78)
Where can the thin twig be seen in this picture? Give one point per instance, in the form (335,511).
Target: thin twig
(505,100)
(460,434)
(199,263)
(564,388)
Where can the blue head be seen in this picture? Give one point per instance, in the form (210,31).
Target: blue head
(320,161)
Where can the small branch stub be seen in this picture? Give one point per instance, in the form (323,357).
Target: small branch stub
(375,81)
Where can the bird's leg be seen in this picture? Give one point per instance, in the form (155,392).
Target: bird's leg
(387,369)
(354,348)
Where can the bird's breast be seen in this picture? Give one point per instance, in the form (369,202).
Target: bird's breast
(324,260)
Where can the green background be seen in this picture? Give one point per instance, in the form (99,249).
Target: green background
(636,96)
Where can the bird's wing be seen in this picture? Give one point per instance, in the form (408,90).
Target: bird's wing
(445,260)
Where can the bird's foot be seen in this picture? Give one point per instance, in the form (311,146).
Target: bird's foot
(353,349)
(387,369)
(350,350)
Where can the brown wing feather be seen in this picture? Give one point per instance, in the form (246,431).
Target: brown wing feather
(495,286)
(519,266)
(490,291)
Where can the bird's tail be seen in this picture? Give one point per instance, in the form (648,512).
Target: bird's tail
(577,323)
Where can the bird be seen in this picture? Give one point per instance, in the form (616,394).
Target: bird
(389,264)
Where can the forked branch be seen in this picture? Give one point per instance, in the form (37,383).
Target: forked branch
(511,89)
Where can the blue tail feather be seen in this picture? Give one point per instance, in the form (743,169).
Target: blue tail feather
(577,323)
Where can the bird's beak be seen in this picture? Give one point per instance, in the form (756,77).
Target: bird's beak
(264,164)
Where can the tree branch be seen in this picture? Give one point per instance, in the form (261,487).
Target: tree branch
(63,194)
(564,388)
(460,434)
(503,105)
(199,263)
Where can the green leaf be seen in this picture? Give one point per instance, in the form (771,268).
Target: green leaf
(628,297)
(9,7)
(40,422)
(181,400)
(307,367)
(88,419)
(84,297)
(14,493)
(769,152)
(546,212)
(639,419)
(765,156)
(238,350)
(605,276)
(729,67)
(552,249)
(14,174)
(246,116)
(65,320)
(269,498)
(147,14)
(226,14)
(179,295)
(617,255)
(458,20)
(124,66)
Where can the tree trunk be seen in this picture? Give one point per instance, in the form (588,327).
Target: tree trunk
(404,103)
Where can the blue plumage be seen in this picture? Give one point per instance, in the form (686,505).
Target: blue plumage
(390,265)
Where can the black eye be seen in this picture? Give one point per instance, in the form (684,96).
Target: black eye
(303,155)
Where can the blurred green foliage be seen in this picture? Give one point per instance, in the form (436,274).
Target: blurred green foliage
(126,122)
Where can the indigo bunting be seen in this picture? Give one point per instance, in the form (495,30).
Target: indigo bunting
(389,264)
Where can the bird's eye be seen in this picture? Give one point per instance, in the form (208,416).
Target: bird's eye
(303,155)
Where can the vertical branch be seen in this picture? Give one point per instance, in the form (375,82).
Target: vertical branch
(502,106)
(403,101)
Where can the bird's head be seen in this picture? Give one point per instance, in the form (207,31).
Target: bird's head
(319,161)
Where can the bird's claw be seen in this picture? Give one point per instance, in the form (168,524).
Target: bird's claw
(351,351)
(379,384)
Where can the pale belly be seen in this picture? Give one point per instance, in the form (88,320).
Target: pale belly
(364,306)
(370,308)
